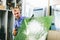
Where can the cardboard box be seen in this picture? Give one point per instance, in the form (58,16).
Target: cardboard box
(2,7)
(53,35)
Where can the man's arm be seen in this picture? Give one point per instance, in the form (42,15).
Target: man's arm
(14,32)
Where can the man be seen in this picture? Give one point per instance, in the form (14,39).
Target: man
(18,19)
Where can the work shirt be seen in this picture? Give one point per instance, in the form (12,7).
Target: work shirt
(18,22)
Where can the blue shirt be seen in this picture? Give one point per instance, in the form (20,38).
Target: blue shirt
(18,22)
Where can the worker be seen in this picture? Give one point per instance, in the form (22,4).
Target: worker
(18,19)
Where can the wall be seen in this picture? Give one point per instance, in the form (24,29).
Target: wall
(29,5)
(54,2)
(4,3)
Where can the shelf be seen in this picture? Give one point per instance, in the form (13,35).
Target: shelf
(2,10)
(6,17)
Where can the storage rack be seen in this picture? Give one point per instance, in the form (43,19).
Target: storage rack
(7,18)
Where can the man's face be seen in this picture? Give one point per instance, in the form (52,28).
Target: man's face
(16,13)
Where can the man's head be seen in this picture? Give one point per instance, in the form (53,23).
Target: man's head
(16,12)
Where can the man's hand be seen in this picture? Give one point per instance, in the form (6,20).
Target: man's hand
(14,32)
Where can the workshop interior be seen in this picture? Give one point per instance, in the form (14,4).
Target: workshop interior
(29,8)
